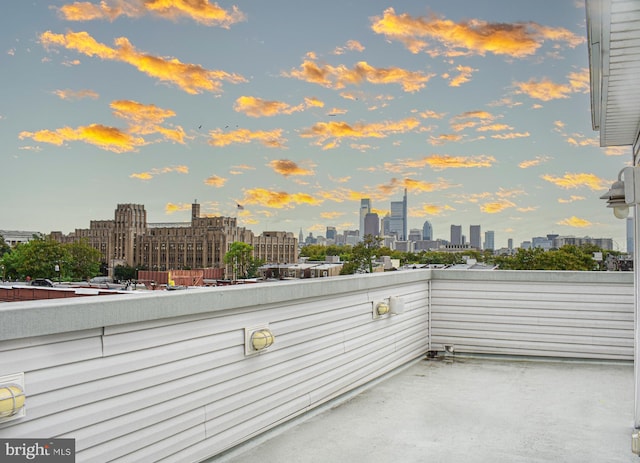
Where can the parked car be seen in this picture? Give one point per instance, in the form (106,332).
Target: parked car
(42,282)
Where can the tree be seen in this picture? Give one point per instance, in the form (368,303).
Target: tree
(84,260)
(38,259)
(240,256)
(125,272)
(254,265)
(363,253)
(4,247)
(568,257)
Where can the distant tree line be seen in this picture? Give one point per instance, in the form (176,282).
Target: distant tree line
(43,257)
(357,258)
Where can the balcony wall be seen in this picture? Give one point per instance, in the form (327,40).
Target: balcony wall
(536,313)
(165,376)
(141,378)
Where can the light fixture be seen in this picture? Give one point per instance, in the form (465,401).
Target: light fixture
(12,397)
(380,308)
(623,192)
(257,339)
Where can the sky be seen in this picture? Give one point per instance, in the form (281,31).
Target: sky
(296,110)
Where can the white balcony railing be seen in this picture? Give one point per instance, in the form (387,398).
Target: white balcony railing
(167,375)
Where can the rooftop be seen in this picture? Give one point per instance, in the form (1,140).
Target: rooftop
(480,409)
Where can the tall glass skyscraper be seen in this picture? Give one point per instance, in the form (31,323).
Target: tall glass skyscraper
(489,240)
(474,237)
(365,208)
(427,231)
(398,218)
(456,234)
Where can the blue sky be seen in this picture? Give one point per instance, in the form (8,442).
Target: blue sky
(297,110)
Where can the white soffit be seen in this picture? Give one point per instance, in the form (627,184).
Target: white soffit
(614,51)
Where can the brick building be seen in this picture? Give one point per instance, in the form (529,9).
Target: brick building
(201,243)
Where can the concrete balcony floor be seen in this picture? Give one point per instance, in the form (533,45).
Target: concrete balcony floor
(467,409)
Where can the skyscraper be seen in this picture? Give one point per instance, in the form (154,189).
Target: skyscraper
(398,219)
(456,234)
(489,240)
(371,225)
(474,237)
(427,231)
(331,233)
(385,225)
(365,208)
(404,215)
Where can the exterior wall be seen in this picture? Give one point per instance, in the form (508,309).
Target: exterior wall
(144,377)
(275,247)
(534,313)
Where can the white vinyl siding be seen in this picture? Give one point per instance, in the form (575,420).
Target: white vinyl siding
(171,382)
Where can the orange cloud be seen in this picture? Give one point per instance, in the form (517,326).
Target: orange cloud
(270,139)
(472,197)
(464,76)
(351,45)
(107,138)
(472,37)
(444,138)
(533,162)
(313,102)
(335,131)
(146,119)
(579,81)
(616,150)
(547,90)
(278,199)
(569,181)
(159,171)
(331,215)
(477,114)
(571,199)
(170,208)
(338,77)
(76,94)
(200,11)
(215,181)
(286,167)
(191,78)
(575,222)
(257,107)
(441,162)
(428,114)
(494,128)
(496,206)
(431,209)
(510,136)
(577,139)
(471,119)
(544,89)
(421,186)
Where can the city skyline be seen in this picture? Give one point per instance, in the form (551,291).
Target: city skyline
(480,111)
